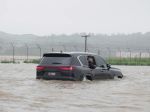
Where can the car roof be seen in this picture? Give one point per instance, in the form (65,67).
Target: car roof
(72,53)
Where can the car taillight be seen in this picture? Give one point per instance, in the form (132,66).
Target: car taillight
(68,68)
(39,68)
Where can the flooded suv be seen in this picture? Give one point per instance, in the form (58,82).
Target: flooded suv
(75,66)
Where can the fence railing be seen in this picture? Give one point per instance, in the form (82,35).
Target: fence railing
(27,52)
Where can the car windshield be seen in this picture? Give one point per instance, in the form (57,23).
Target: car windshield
(62,60)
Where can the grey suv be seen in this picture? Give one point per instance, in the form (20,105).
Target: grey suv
(75,66)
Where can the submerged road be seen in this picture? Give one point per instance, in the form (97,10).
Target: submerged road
(21,92)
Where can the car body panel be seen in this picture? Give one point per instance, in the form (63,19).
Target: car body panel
(76,69)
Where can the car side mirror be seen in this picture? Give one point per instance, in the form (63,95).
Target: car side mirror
(108,66)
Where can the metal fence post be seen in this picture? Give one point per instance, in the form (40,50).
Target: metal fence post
(98,52)
(119,54)
(27,51)
(109,53)
(39,47)
(13,48)
(52,49)
(129,50)
(140,58)
(148,50)
(64,48)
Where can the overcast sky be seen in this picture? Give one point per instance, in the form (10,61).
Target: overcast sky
(45,17)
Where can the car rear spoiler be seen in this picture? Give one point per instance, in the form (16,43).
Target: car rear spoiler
(56,55)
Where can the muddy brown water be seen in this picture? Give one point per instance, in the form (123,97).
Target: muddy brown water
(21,92)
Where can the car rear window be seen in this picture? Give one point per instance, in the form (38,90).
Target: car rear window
(56,59)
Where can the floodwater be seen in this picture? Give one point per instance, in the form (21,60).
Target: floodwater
(21,92)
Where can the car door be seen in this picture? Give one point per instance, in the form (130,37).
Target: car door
(101,71)
(85,69)
(93,67)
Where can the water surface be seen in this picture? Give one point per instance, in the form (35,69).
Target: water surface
(21,92)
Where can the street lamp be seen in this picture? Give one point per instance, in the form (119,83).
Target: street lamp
(85,36)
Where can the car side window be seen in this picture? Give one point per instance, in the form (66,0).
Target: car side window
(100,62)
(91,62)
(91,59)
(75,61)
(83,60)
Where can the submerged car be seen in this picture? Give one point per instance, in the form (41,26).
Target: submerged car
(75,66)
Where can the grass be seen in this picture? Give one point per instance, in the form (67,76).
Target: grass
(36,61)
(112,61)
(128,61)
(6,61)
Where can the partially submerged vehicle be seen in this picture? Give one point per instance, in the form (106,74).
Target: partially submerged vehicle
(75,66)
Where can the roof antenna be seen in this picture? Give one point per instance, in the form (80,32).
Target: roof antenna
(61,51)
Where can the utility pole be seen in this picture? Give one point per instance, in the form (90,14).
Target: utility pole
(85,36)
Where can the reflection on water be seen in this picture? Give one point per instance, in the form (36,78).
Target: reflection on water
(21,92)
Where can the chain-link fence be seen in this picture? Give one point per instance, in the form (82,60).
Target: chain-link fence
(25,52)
